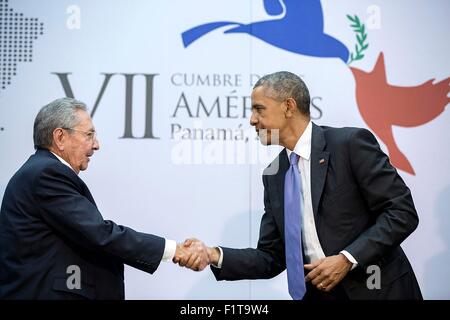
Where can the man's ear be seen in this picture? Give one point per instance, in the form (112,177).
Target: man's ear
(59,138)
(291,107)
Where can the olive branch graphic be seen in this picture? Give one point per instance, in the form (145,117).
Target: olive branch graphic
(361,37)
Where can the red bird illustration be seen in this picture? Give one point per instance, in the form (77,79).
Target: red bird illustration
(383,105)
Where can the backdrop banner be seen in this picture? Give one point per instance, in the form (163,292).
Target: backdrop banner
(168,86)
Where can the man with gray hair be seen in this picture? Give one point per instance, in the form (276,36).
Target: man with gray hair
(54,243)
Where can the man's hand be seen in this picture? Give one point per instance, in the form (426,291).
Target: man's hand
(194,255)
(182,255)
(326,273)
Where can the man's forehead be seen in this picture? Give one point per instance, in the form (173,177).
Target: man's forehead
(262,92)
(85,119)
(259,91)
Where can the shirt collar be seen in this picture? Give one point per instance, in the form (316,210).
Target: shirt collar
(303,145)
(62,160)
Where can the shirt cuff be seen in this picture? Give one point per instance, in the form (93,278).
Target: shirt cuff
(350,258)
(169,250)
(219,263)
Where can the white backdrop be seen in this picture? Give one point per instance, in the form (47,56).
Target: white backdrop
(180,185)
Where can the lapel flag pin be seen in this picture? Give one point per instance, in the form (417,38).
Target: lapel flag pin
(321,161)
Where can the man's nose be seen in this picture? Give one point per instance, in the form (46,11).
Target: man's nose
(253,119)
(96,144)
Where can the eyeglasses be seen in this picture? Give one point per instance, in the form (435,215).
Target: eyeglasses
(91,135)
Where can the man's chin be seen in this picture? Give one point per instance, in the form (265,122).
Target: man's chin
(264,141)
(265,136)
(84,166)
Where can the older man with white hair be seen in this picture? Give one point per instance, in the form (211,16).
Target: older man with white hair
(54,243)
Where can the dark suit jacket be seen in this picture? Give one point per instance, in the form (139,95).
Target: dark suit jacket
(48,222)
(360,204)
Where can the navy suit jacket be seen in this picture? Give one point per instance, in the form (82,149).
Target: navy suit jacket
(48,222)
(360,204)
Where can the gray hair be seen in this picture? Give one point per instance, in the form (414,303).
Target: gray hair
(284,85)
(60,113)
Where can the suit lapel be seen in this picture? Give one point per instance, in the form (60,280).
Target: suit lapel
(84,189)
(278,179)
(319,167)
(87,193)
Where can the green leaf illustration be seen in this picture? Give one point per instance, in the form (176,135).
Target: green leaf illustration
(361,37)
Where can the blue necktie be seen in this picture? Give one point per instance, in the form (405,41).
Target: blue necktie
(292,230)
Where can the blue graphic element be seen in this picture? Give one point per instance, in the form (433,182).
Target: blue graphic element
(299,30)
(273,8)
(193,34)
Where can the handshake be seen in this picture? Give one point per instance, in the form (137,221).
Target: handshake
(195,255)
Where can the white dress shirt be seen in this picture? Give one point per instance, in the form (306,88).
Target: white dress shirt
(310,240)
(170,245)
(311,245)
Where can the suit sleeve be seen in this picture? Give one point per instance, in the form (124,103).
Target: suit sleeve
(266,261)
(64,208)
(387,197)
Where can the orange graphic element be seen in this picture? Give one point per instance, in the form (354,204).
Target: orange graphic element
(383,105)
